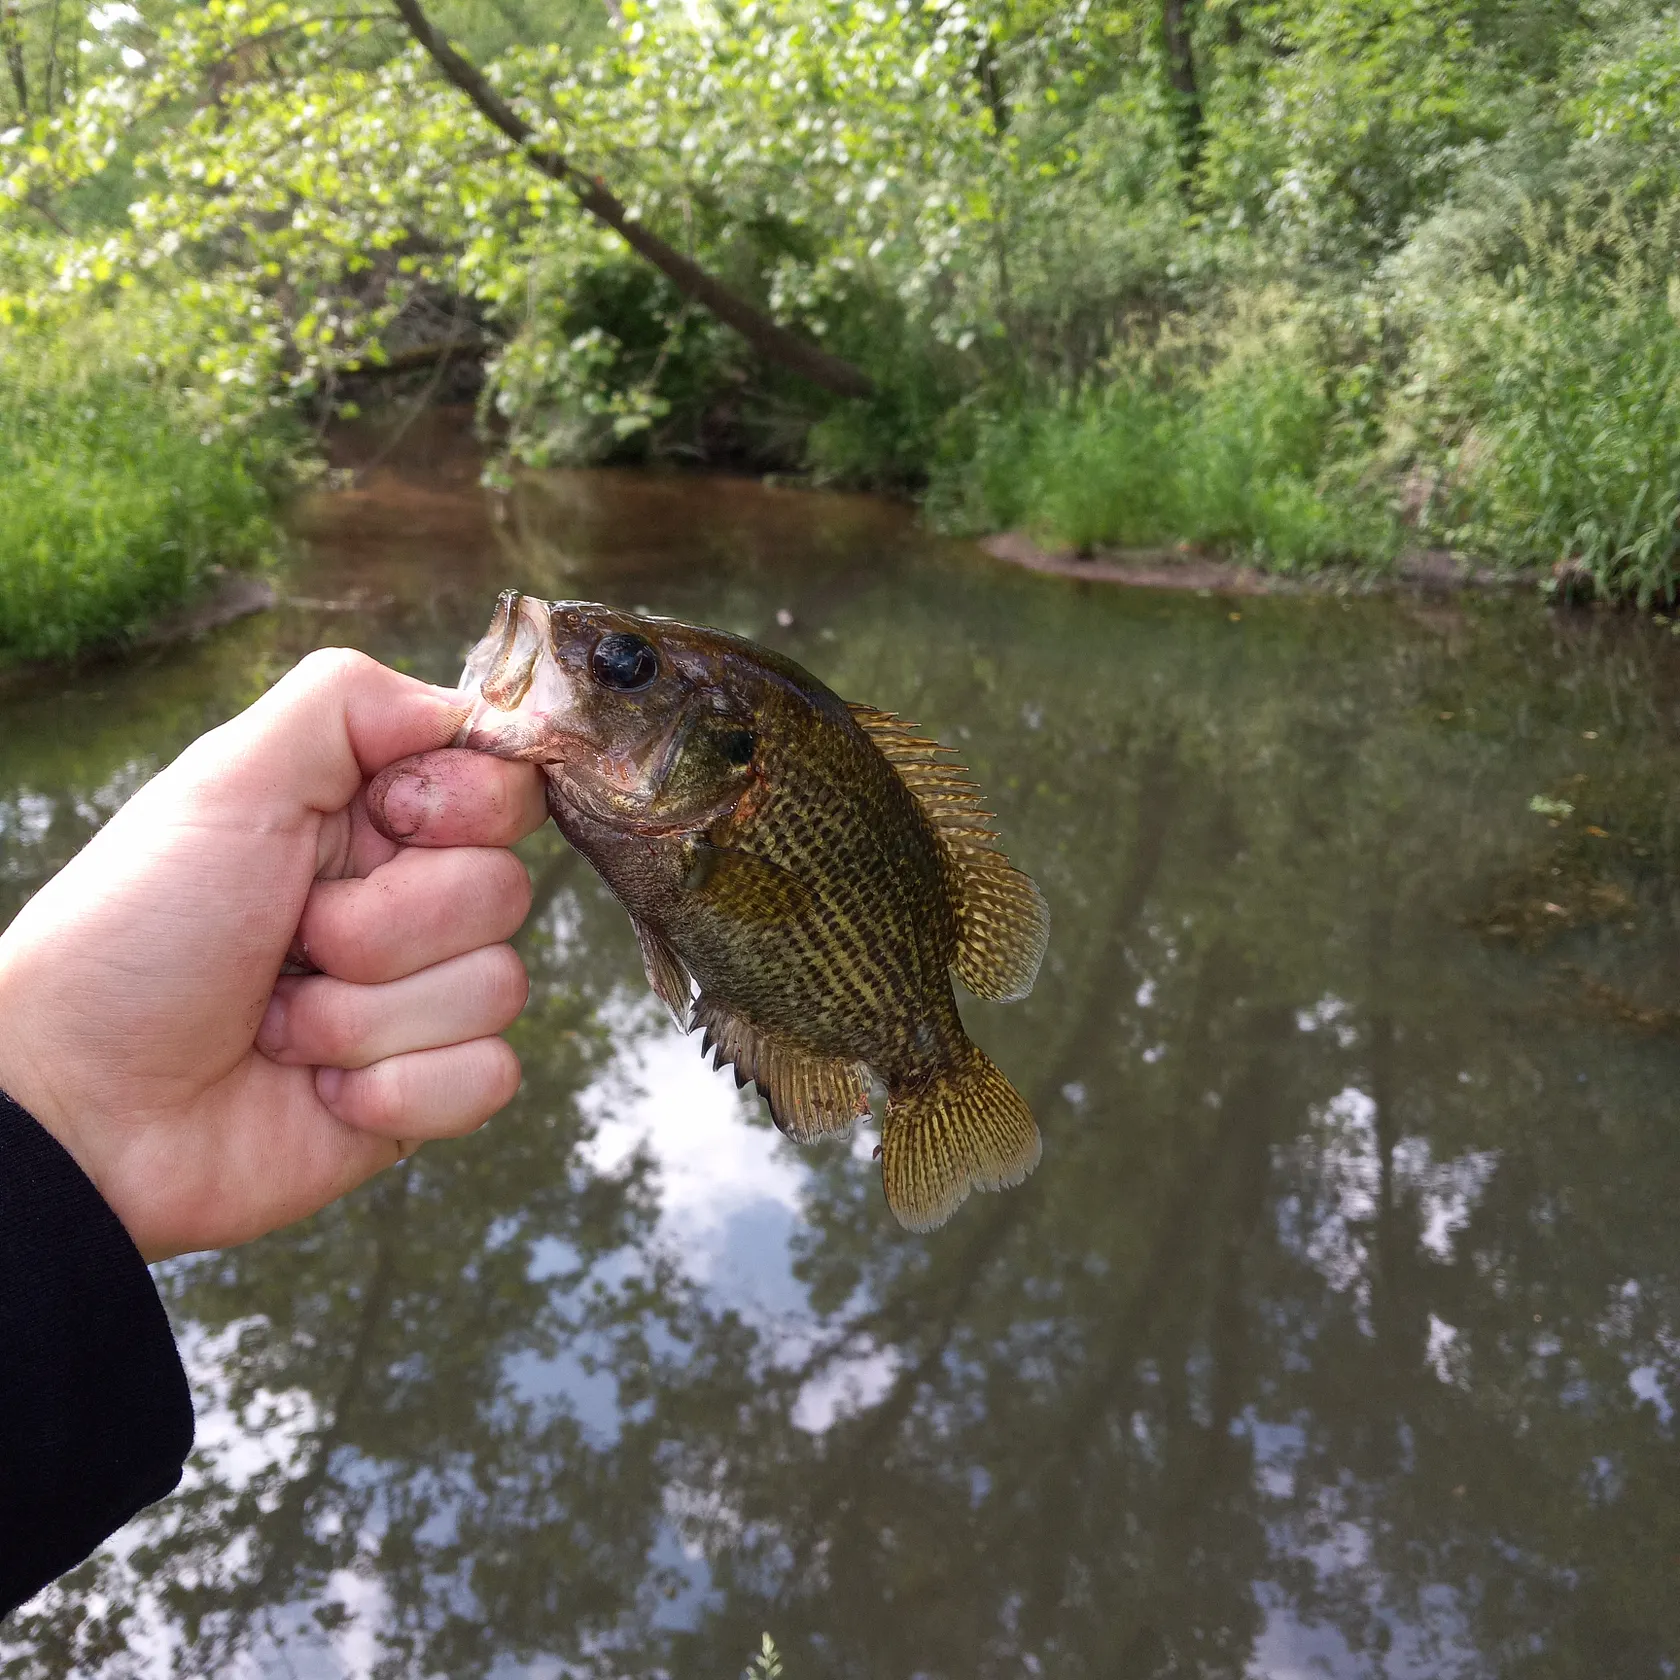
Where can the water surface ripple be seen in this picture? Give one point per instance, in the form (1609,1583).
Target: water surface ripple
(1339,1331)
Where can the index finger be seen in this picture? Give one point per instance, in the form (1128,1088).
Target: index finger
(452,797)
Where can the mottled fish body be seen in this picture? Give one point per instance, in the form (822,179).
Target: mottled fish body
(816,869)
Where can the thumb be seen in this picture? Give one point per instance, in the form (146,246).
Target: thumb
(334,719)
(457,798)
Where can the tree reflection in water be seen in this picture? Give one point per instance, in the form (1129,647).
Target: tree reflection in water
(1338,1325)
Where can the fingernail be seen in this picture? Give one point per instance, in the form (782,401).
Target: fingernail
(410,802)
(271,1031)
(328,1083)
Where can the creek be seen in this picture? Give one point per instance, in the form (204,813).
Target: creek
(1338,1332)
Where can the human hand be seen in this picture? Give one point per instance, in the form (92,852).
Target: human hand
(143,1017)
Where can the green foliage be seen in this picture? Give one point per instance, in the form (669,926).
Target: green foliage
(118,490)
(1550,401)
(987,206)
(1244,459)
(767,1664)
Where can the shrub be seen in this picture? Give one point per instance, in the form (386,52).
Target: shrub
(1241,459)
(1551,402)
(118,489)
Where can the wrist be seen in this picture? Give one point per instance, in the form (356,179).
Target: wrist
(23,1083)
(28,1058)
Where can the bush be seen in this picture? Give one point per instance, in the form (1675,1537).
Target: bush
(118,489)
(1242,459)
(1552,402)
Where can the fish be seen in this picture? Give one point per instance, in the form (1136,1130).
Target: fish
(804,875)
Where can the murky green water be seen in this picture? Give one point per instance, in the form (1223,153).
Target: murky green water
(1339,1331)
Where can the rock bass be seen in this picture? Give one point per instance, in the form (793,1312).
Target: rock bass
(803,874)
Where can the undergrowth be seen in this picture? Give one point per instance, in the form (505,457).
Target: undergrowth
(119,489)
(1552,396)
(1243,461)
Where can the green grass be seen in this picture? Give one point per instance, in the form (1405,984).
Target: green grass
(1240,462)
(1567,404)
(118,492)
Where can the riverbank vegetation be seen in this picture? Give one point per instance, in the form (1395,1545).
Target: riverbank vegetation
(120,485)
(1303,281)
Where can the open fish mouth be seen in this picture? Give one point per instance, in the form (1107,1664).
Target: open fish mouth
(499,668)
(521,697)
(531,702)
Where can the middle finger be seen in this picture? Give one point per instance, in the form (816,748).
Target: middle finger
(321,1021)
(420,908)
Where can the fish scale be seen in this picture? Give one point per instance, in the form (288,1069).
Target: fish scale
(816,869)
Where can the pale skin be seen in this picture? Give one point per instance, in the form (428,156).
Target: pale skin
(143,1017)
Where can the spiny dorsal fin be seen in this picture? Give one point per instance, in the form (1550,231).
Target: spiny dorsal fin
(665,972)
(1002,920)
(809,1096)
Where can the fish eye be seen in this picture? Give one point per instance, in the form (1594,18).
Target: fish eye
(737,745)
(623,661)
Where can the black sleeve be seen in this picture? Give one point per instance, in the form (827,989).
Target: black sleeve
(95,1414)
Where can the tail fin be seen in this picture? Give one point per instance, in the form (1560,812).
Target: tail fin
(967,1130)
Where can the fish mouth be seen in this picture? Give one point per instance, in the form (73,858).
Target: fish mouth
(520,694)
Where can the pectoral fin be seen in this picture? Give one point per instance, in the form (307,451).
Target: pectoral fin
(666,973)
(744,887)
(809,1096)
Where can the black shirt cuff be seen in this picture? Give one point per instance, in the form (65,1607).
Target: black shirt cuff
(96,1417)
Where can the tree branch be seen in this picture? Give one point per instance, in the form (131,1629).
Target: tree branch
(768,337)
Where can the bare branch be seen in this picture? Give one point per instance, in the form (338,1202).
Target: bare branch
(42,208)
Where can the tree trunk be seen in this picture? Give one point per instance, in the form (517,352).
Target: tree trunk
(11,33)
(1181,77)
(768,337)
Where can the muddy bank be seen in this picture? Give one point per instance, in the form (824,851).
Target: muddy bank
(1433,571)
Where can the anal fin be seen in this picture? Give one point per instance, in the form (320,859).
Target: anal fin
(666,973)
(810,1096)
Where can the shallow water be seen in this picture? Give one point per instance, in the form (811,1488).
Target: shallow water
(1339,1331)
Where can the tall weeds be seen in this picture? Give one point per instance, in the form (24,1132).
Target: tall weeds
(1240,460)
(1552,400)
(118,491)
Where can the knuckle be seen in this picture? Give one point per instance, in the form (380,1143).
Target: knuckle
(518,888)
(495,1082)
(510,881)
(368,940)
(332,1022)
(332,667)
(500,892)
(509,984)
(382,1096)
(511,1072)
(336,929)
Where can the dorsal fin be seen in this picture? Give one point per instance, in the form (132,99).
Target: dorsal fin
(809,1095)
(1003,922)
